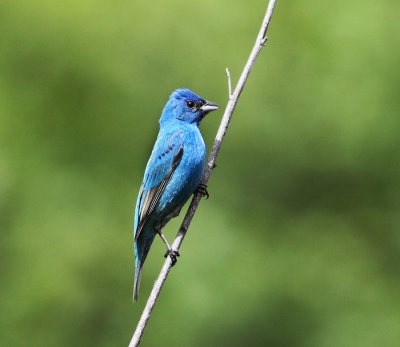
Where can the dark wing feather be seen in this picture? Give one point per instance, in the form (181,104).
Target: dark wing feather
(164,164)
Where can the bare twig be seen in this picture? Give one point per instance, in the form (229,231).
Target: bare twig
(228,75)
(233,98)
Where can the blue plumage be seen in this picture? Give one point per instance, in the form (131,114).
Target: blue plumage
(172,173)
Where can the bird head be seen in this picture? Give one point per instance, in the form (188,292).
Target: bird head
(186,106)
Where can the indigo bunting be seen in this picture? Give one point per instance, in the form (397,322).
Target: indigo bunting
(172,173)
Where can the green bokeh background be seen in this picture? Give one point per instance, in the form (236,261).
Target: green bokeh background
(298,245)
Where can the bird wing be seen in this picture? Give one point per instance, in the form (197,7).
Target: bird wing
(164,160)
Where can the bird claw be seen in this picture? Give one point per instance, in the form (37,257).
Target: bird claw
(202,190)
(172,254)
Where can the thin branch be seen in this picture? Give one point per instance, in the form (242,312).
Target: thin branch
(233,98)
(228,75)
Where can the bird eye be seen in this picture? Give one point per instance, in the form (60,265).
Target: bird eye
(190,104)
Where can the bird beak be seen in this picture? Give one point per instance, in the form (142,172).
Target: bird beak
(209,106)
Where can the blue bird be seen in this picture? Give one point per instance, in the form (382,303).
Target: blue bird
(172,173)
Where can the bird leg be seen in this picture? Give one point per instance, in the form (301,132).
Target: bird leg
(202,190)
(170,252)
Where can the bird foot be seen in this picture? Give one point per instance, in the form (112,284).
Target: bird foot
(202,190)
(172,254)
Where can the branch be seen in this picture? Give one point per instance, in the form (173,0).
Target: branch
(233,98)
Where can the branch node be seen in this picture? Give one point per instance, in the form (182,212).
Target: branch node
(264,41)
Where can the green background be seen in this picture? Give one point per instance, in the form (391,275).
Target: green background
(298,245)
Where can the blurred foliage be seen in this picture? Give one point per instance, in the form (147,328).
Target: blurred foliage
(299,244)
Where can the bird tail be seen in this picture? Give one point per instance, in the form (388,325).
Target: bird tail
(142,247)
(136,281)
